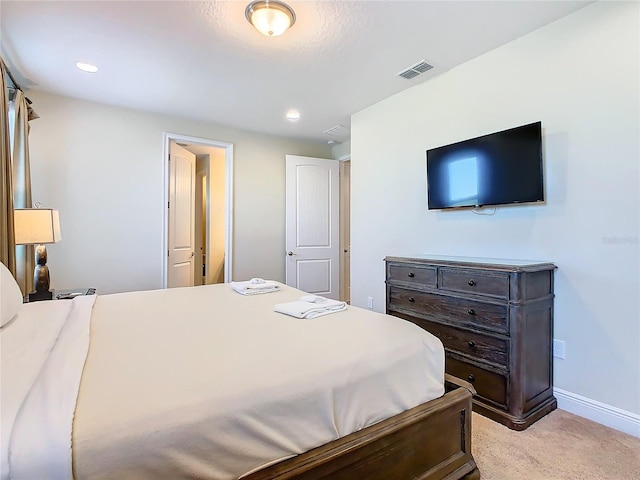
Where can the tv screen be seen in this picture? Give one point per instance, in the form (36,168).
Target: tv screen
(495,169)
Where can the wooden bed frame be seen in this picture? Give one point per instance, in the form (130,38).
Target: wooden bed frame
(429,442)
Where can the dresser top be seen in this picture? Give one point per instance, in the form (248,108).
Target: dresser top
(477,262)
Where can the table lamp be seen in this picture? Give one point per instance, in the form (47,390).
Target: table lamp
(38,226)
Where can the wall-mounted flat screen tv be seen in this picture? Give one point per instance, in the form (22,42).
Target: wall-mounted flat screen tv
(496,169)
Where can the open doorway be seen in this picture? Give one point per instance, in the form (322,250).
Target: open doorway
(209,213)
(211,224)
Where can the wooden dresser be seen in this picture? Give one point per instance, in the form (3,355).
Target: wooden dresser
(495,319)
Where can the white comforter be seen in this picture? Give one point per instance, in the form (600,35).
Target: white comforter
(205,383)
(43,352)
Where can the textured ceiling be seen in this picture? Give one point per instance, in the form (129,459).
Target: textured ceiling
(203,60)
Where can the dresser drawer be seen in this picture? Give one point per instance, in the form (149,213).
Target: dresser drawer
(475,345)
(451,310)
(413,275)
(469,281)
(489,385)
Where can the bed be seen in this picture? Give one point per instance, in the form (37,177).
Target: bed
(203,382)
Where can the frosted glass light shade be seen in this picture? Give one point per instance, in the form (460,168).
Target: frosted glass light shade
(270,17)
(34,226)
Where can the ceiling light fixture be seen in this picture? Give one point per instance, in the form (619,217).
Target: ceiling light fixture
(87,67)
(293,115)
(270,17)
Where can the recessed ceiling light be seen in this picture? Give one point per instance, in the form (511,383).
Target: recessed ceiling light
(293,115)
(87,67)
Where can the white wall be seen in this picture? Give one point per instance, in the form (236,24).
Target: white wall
(102,167)
(580,77)
(342,150)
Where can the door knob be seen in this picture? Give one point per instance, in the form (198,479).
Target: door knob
(290,253)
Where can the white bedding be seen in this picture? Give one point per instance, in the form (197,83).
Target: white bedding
(43,351)
(204,383)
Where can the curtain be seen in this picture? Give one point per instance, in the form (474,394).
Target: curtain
(7,239)
(21,180)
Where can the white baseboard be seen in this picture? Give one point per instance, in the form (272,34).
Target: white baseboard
(613,417)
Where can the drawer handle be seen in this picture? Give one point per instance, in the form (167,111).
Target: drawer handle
(411,275)
(411,299)
(471,282)
(471,311)
(471,378)
(472,344)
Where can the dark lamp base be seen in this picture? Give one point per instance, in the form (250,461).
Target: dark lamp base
(41,276)
(40,295)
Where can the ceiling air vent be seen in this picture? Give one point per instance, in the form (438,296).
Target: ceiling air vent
(338,131)
(415,70)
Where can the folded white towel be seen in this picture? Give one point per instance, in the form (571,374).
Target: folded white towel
(310,309)
(314,299)
(255,286)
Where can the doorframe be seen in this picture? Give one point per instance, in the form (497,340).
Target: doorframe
(167,137)
(345,229)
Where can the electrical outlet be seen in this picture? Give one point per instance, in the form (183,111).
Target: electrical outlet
(558,348)
(370,302)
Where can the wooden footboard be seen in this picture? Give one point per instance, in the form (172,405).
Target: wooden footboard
(431,441)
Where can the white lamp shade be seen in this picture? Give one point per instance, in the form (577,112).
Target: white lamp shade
(34,226)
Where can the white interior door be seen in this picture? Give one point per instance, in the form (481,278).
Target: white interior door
(312,225)
(182,175)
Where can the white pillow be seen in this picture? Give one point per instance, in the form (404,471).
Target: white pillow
(10,296)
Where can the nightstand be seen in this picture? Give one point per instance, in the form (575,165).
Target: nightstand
(66,294)
(74,292)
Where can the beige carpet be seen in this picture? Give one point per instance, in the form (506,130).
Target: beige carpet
(560,446)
